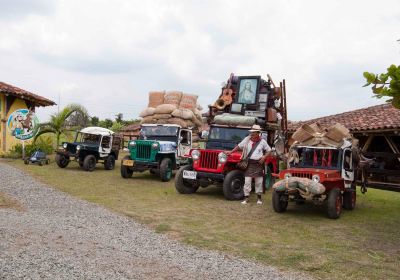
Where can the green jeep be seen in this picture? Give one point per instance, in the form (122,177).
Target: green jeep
(160,149)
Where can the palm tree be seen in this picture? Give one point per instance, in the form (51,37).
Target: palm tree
(61,122)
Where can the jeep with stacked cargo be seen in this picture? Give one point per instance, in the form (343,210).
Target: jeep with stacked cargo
(159,149)
(230,118)
(91,145)
(322,166)
(165,135)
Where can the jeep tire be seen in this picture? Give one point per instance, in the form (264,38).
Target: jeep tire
(349,199)
(109,162)
(62,160)
(185,186)
(89,163)
(279,201)
(166,169)
(334,205)
(233,185)
(126,172)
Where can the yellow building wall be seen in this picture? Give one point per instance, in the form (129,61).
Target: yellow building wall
(2,123)
(10,140)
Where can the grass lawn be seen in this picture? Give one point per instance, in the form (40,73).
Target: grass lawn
(362,244)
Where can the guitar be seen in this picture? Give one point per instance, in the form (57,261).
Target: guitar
(226,96)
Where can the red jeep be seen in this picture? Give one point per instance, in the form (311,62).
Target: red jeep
(331,167)
(212,166)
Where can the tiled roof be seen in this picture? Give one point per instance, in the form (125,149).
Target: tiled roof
(378,117)
(23,94)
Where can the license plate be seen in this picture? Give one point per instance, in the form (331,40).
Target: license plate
(128,162)
(189,174)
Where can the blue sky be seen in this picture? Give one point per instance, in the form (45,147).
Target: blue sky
(107,55)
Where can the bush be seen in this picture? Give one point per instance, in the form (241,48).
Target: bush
(44,146)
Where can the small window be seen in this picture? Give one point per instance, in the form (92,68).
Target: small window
(347,159)
(105,143)
(185,137)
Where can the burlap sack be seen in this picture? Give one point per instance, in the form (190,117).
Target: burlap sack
(162,121)
(164,109)
(162,116)
(148,120)
(156,98)
(185,114)
(147,112)
(232,119)
(337,132)
(303,133)
(188,101)
(197,122)
(178,121)
(173,97)
(198,114)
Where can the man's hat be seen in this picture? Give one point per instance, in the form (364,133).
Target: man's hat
(255,128)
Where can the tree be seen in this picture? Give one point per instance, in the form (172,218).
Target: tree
(386,84)
(107,123)
(119,117)
(94,121)
(60,123)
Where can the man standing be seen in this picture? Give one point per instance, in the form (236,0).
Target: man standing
(256,150)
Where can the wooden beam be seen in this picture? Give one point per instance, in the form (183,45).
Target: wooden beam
(367,143)
(392,145)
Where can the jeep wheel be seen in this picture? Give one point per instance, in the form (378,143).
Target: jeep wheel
(126,172)
(62,161)
(166,169)
(185,186)
(349,199)
(233,185)
(109,163)
(334,206)
(279,201)
(89,163)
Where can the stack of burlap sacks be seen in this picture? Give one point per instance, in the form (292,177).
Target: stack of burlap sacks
(316,135)
(173,107)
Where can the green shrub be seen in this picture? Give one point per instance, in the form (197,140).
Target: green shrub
(44,146)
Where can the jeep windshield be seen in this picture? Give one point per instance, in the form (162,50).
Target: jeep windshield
(159,132)
(322,158)
(225,138)
(88,138)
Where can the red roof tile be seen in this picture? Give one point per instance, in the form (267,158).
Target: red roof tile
(378,117)
(23,94)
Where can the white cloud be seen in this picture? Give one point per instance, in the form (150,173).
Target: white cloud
(107,55)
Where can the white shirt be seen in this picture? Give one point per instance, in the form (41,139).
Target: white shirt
(246,145)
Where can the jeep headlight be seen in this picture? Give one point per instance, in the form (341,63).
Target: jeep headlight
(132,144)
(78,147)
(287,175)
(154,146)
(65,145)
(195,154)
(222,157)
(316,178)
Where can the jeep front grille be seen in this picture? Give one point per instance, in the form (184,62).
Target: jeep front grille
(209,159)
(143,151)
(71,148)
(302,175)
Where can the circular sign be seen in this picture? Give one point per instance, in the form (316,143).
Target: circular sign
(23,124)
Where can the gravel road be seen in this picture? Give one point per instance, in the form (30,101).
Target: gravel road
(57,236)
